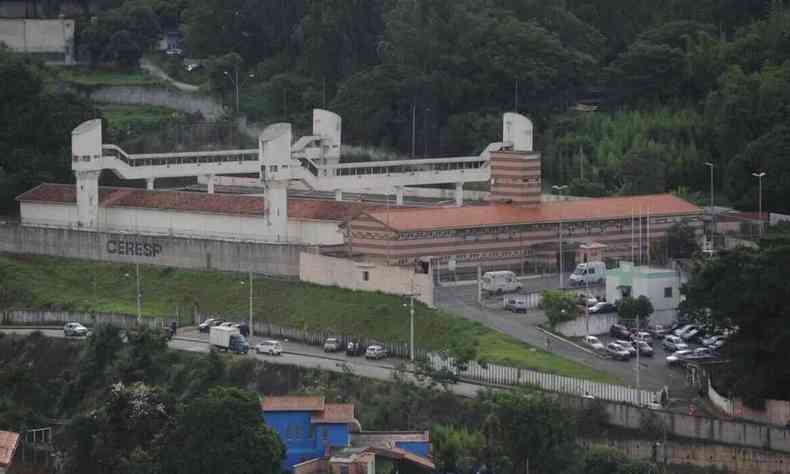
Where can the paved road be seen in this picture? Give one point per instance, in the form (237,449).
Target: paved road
(295,354)
(461,300)
(156,71)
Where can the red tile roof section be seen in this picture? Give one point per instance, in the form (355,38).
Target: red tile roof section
(402,454)
(507,214)
(317,209)
(335,413)
(8,443)
(293,403)
(307,209)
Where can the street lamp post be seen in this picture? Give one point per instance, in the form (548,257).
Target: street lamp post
(234,79)
(759,177)
(251,300)
(559,190)
(425,131)
(139,295)
(712,211)
(413,125)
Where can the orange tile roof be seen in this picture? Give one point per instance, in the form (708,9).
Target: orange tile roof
(335,413)
(402,454)
(8,443)
(308,209)
(508,214)
(320,209)
(293,403)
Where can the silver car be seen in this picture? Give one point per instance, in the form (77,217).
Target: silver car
(74,329)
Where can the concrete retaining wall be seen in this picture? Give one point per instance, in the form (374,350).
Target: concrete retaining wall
(200,254)
(714,430)
(597,323)
(776,412)
(208,107)
(729,458)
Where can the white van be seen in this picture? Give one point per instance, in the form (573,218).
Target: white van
(588,274)
(500,282)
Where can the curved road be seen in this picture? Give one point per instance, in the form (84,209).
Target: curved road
(382,370)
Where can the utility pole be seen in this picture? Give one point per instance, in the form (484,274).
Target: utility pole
(712,209)
(515,98)
(251,293)
(759,177)
(413,125)
(139,295)
(559,190)
(411,322)
(638,392)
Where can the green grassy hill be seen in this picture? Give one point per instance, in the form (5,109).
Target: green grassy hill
(81,285)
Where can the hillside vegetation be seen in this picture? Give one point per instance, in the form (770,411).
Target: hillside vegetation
(81,285)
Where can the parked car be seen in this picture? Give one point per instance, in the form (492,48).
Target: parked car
(642,336)
(516,304)
(684,329)
(620,331)
(692,335)
(627,345)
(588,273)
(206,325)
(230,324)
(332,344)
(355,348)
(500,282)
(174,52)
(617,351)
(677,357)
(375,352)
(74,329)
(657,330)
(715,342)
(602,307)
(593,343)
(702,354)
(673,343)
(643,347)
(269,346)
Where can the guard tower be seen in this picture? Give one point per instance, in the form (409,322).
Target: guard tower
(515,168)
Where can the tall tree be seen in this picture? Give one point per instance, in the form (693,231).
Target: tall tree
(222,432)
(746,289)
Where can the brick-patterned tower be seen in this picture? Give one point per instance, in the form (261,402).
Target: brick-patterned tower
(515,170)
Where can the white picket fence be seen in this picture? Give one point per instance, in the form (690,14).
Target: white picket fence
(490,374)
(513,376)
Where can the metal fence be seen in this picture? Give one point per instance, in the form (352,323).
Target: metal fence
(474,371)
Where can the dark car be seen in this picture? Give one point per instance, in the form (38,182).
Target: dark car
(206,325)
(602,307)
(355,348)
(619,331)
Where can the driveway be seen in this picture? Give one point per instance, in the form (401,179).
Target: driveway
(462,301)
(156,71)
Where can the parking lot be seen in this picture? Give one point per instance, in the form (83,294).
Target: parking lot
(653,372)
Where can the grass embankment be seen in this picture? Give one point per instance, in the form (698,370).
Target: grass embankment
(80,285)
(101,77)
(123,117)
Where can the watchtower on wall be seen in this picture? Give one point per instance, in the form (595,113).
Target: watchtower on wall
(515,169)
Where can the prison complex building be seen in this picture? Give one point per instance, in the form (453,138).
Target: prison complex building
(501,236)
(190,214)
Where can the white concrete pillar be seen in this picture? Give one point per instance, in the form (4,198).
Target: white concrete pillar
(210,184)
(459,194)
(338,194)
(149,184)
(276,197)
(87,199)
(399,195)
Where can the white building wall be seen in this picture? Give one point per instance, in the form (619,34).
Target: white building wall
(48,215)
(183,224)
(316,232)
(368,276)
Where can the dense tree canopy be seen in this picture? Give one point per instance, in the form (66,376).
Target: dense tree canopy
(747,289)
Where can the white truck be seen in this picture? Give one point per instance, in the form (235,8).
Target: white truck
(500,282)
(589,273)
(225,338)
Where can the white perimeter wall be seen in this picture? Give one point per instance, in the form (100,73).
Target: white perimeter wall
(344,273)
(183,224)
(39,36)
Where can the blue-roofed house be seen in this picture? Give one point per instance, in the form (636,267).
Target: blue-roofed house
(313,430)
